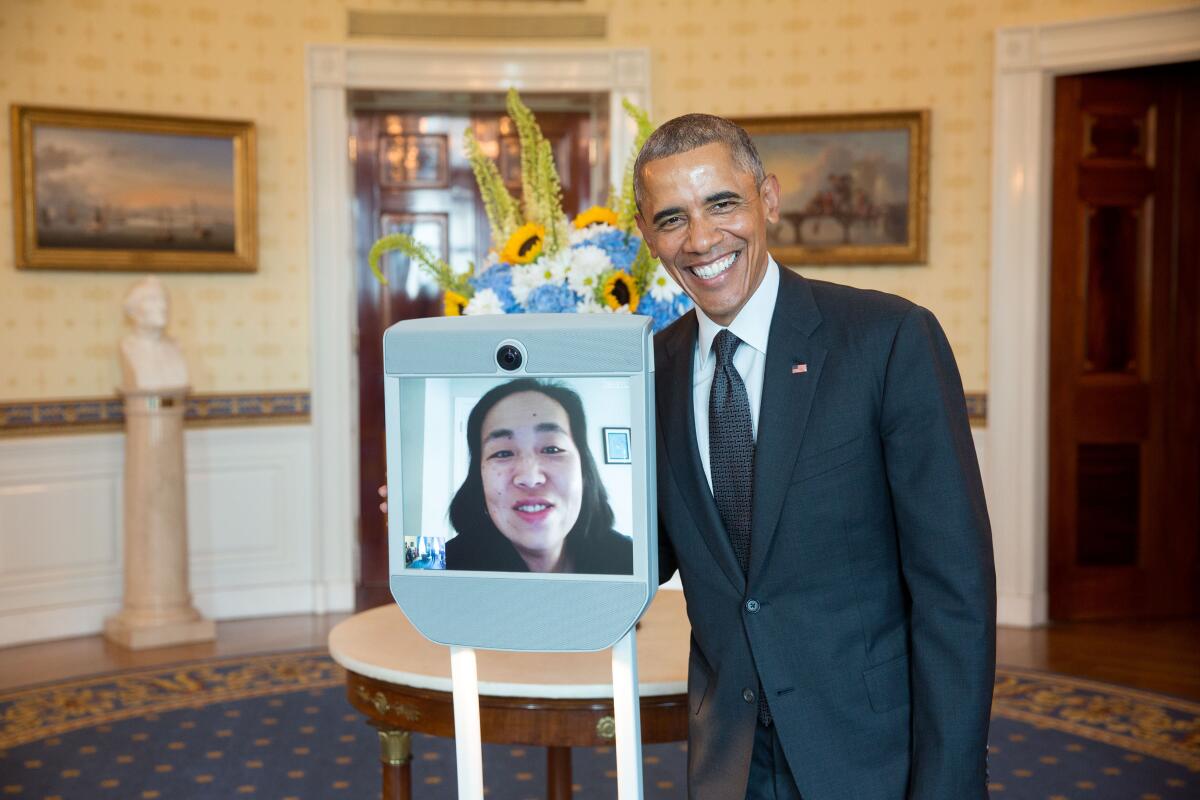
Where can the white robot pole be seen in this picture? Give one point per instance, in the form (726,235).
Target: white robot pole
(628,717)
(468,743)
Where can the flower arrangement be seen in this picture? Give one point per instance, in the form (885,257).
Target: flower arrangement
(540,262)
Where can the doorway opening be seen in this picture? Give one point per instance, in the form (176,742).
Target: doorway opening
(409,175)
(1124,454)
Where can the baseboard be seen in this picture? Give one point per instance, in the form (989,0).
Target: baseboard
(87,619)
(1022,611)
(257,601)
(43,624)
(333,597)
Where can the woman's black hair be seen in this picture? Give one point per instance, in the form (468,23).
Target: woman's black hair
(468,509)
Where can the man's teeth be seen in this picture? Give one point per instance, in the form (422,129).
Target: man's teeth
(716,268)
(532,508)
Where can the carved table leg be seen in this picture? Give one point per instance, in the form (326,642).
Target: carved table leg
(395,757)
(558,773)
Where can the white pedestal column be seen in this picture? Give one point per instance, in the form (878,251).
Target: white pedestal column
(157,609)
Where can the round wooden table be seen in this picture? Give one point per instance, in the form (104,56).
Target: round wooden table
(401,682)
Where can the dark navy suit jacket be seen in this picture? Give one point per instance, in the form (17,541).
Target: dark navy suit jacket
(872,629)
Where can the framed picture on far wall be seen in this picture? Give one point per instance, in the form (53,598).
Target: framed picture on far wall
(616,446)
(414,161)
(854,187)
(102,191)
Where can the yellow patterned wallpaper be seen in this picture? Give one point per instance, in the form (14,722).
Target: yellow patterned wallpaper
(244,59)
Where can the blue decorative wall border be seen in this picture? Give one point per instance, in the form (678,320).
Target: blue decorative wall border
(36,417)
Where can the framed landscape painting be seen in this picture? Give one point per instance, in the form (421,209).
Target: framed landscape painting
(854,187)
(101,191)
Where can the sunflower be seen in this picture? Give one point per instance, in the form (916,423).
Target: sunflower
(524,245)
(596,215)
(620,290)
(455,303)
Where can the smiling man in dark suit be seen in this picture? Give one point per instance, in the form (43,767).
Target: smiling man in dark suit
(820,496)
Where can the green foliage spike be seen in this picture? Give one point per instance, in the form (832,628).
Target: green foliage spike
(528,133)
(643,268)
(625,204)
(644,125)
(503,215)
(542,191)
(550,200)
(438,269)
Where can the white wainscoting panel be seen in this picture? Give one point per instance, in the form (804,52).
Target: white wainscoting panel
(57,545)
(251,531)
(60,535)
(254,546)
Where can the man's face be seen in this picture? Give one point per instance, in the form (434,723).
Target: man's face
(704,218)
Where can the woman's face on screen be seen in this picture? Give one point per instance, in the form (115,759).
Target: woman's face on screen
(532,478)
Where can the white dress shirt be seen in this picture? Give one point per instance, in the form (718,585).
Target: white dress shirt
(753,326)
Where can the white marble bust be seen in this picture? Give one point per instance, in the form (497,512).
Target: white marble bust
(150,360)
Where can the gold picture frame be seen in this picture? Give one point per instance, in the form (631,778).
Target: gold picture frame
(108,191)
(854,187)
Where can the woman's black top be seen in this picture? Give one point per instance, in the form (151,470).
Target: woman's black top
(608,553)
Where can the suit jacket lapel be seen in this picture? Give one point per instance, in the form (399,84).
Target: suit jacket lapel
(677,415)
(786,400)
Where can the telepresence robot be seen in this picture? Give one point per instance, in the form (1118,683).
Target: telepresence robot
(440,376)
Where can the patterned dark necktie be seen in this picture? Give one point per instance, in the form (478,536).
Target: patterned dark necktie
(731,460)
(731,447)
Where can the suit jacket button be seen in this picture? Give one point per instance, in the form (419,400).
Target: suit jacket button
(748,695)
(752,606)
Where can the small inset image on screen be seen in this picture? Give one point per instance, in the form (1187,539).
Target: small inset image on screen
(524,475)
(424,552)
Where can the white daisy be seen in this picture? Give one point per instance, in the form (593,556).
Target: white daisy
(588,305)
(547,269)
(577,235)
(556,267)
(588,263)
(485,301)
(662,286)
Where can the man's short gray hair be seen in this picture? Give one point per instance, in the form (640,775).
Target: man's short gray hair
(689,132)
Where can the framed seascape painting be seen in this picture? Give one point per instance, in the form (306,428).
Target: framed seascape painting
(854,186)
(102,191)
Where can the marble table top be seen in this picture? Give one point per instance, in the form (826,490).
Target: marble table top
(381,644)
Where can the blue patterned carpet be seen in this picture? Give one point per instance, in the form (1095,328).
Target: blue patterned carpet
(279,727)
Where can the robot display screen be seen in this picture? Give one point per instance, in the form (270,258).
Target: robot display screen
(523,475)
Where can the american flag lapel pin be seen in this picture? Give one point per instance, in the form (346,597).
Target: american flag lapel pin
(799,368)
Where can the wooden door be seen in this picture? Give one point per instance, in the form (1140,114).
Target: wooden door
(1124,482)
(410,176)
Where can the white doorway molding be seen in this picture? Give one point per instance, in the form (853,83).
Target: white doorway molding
(1027,60)
(333,71)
